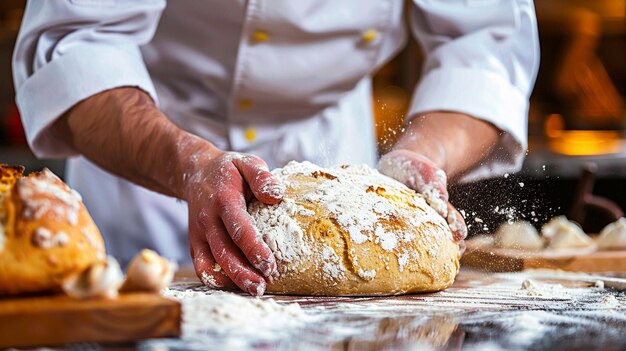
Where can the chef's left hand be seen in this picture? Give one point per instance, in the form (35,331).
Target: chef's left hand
(434,147)
(424,176)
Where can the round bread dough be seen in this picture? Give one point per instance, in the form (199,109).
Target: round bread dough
(562,233)
(613,236)
(351,231)
(519,235)
(46,233)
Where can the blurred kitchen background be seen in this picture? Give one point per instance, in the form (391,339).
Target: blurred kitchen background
(577,119)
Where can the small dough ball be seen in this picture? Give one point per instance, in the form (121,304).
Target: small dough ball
(100,280)
(613,236)
(149,272)
(562,233)
(519,235)
(350,230)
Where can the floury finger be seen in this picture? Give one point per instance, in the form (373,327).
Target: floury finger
(418,173)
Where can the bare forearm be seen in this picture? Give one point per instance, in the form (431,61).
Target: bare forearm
(455,142)
(124,132)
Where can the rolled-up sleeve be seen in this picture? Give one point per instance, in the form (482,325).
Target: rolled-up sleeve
(481,59)
(69,50)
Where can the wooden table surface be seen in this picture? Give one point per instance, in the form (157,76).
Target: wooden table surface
(481,311)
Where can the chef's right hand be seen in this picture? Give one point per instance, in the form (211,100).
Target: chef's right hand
(123,131)
(225,246)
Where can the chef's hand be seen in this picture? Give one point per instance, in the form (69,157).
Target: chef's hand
(435,147)
(424,176)
(225,245)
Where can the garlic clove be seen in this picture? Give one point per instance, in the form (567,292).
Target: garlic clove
(149,272)
(101,279)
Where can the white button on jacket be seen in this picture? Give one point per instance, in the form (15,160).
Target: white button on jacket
(280,79)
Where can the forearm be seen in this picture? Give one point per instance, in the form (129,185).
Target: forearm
(455,142)
(123,131)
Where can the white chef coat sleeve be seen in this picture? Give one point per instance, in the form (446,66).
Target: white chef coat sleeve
(481,58)
(68,50)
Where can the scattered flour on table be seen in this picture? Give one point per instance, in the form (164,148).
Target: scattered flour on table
(215,313)
(527,327)
(610,301)
(533,288)
(501,305)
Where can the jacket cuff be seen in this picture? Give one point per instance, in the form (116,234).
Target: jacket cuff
(484,95)
(68,79)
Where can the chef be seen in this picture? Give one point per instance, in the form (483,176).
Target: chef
(171,116)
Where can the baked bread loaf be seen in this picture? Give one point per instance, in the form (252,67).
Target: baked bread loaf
(46,233)
(353,231)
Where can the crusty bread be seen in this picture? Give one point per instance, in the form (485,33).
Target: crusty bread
(352,231)
(46,233)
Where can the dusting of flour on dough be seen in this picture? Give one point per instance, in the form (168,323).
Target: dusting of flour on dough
(403,259)
(46,239)
(367,275)
(280,231)
(404,171)
(91,239)
(345,192)
(387,240)
(332,266)
(47,184)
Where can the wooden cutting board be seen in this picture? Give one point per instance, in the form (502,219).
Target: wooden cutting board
(486,257)
(60,320)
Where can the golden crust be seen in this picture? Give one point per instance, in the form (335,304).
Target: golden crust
(9,174)
(426,260)
(46,233)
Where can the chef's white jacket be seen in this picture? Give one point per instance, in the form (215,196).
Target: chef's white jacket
(280,79)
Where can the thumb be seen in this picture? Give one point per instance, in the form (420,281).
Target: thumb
(263,184)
